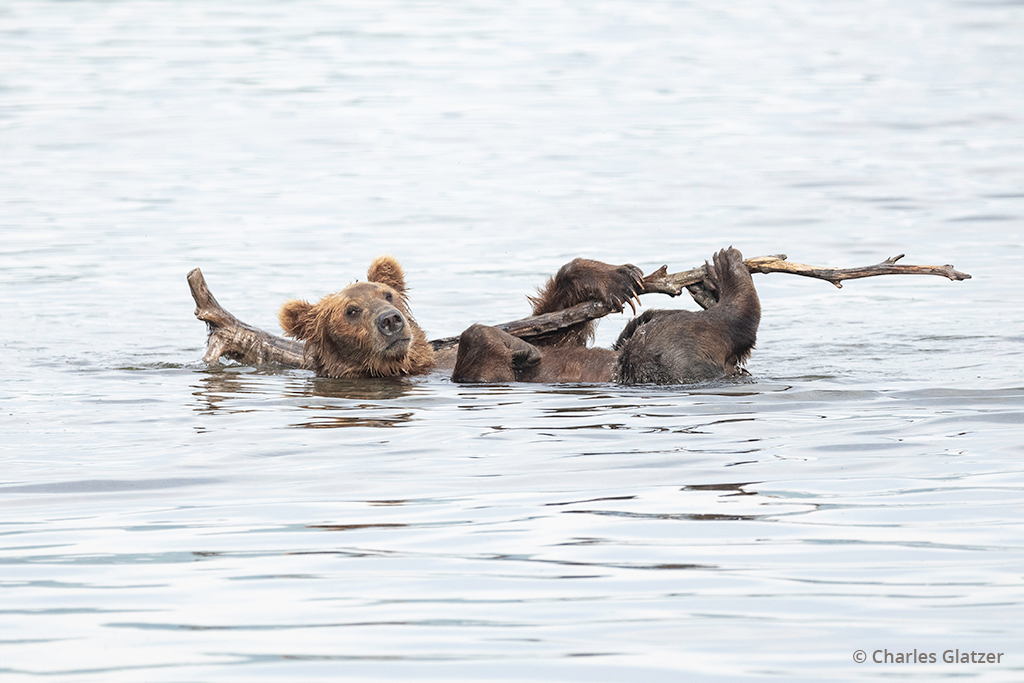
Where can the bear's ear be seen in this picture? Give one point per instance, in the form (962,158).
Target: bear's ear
(295,318)
(386,271)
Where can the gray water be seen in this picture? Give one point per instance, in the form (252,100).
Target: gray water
(862,490)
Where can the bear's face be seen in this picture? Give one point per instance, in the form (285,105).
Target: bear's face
(365,330)
(365,315)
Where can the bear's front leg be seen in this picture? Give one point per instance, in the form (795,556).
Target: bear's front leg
(585,280)
(487,354)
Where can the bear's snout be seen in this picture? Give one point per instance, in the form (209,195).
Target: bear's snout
(390,323)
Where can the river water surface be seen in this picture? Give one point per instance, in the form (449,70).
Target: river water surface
(862,490)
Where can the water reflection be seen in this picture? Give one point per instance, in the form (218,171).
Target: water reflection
(640,507)
(226,391)
(109,485)
(351,527)
(733,489)
(327,422)
(696,517)
(374,389)
(218,387)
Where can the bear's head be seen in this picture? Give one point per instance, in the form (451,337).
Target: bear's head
(365,330)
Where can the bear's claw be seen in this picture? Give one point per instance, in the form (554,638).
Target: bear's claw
(622,285)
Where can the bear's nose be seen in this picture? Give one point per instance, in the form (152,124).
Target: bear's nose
(390,322)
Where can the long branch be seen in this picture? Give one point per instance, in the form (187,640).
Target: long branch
(673,284)
(229,336)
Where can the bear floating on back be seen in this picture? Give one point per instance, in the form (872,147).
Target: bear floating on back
(365,330)
(658,347)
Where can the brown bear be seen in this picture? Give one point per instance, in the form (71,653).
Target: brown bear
(660,346)
(365,330)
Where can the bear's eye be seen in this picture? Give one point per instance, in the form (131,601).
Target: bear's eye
(388,297)
(352,311)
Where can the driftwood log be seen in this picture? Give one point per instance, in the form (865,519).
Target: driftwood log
(230,337)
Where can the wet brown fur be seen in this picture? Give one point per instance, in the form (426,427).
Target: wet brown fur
(660,346)
(578,281)
(345,335)
(342,335)
(673,347)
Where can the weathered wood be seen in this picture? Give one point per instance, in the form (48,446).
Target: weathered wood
(837,275)
(230,337)
(673,284)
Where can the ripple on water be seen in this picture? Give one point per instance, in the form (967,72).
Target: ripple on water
(166,521)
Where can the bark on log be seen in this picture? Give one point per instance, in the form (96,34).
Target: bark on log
(249,345)
(229,336)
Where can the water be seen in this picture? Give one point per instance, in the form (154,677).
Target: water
(165,521)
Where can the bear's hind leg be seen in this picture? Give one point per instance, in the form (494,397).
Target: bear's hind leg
(487,354)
